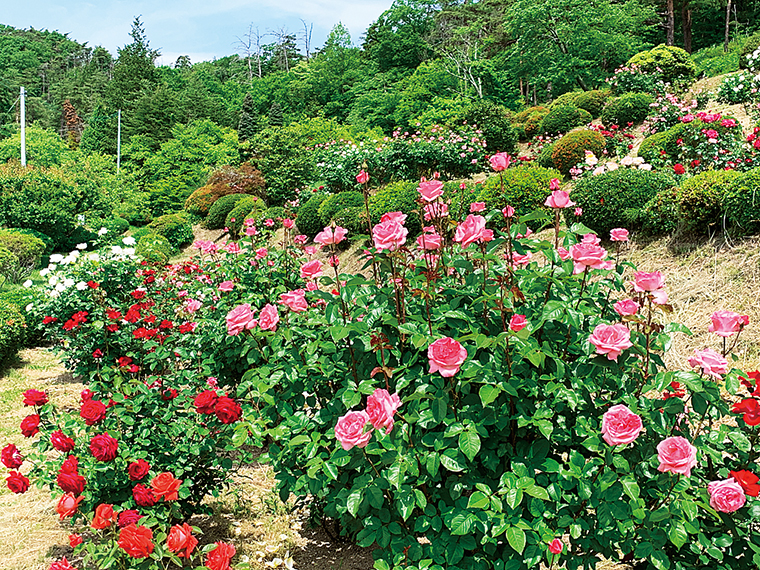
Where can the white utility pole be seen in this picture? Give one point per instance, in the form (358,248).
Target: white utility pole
(23,127)
(118,144)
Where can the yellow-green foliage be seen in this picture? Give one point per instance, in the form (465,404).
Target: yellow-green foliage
(571,149)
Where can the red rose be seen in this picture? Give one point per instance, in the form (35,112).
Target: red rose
(35,398)
(748,481)
(219,558)
(138,469)
(227,410)
(205,402)
(104,517)
(751,410)
(68,505)
(86,394)
(181,540)
(17,482)
(61,564)
(137,541)
(166,486)
(143,495)
(48,320)
(30,425)
(128,517)
(75,540)
(103,447)
(93,411)
(61,441)
(11,457)
(71,482)
(97,353)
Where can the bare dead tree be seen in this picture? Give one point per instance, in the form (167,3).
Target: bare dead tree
(306,38)
(284,40)
(250,45)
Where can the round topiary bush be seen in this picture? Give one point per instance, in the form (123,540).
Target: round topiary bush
(660,215)
(154,248)
(592,101)
(336,203)
(47,240)
(700,199)
(200,201)
(308,221)
(562,119)
(275,213)
(174,227)
(670,62)
(22,297)
(616,199)
(742,204)
(354,219)
(217,214)
(12,330)
(565,99)
(653,147)
(544,157)
(397,197)
(248,207)
(571,149)
(526,188)
(494,122)
(523,115)
(27,248)
(533,124)
(628,108)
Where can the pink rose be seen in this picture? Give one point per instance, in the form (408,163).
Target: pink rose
(429,240)
(389,235)
(726,323)
(521,260)
(430,190)
(625,308)
(554,184)
(619,234)
(295,300)
(593,239)
(331,235)
(446,356)
(226,286)
(477,207)
(517,323)
(588,255)
(380,408)
(726,496)
(192,305)
(470,230)
(261,253)
(620,426)
(239,319)
(500,161)
(362,177)
(611,340)
(435,210)
(508,212)
(564,255)
(643,281)
(232,247)
(268,318)
(676,455)
(288,223)
(559,199)
(349,430)
(556,546)
(311,269)
(712,363)
(399,217)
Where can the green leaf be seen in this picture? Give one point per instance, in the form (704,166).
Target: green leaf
(478,500)
(331,470)
(488,394)
(516,539)
(469,444)
(631,488)
(513,497)
(353,501)
(375,496)
(461,524)
(678,535)
(537,492)
(660,560)
(740,440)
(450,460)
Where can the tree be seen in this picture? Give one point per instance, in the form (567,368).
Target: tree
(134,70)
(250,45)
(275,115)
(248,125)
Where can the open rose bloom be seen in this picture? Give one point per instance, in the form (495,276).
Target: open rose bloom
(620,425)
(727,323)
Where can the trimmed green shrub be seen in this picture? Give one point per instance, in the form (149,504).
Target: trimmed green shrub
(670,62)
(653,146)
(494,122)
(750,45)
(628,108)
(135,209)
(533,124)
(174,227)
(154,248)
(571,149)
(526,188)
(660,215)
(22,297)
(12,330)
(523,115)
(199,202)
(565,99)
(700,199)
(115,226)
(248,207)
(544,157)
(8,263)
(27,249)
(562,119)
(308,221)
(224,181)
(742,204)
(217,214)
(354,219)
(615,199)
(592,101)
(336,203)
(47,240)
(275,213)
(397,197)
(520,132)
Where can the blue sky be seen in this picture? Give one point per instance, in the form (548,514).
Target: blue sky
(202,29)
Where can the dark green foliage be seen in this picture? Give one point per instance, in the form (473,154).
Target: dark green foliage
(566,99)
(562,119)
(47,240)
(670,62)
(248,124)
(652,147)
(100,132)
(523,115)
(494,121)
(660,215)
(26,248)
(336,203)
(533,124)
(628,108)
(592,101)
(544,157)
(397,197)
(571,149)
(354,219)
(12,330)
(248,207)
(217,214)
(275,213)
(750,45)
(275,115)
(135,209)
(525,188)
(615,199)
(700,200)
(742,204)
(308,221)
(154,248)
(174,227)
(22,297)
(281,156)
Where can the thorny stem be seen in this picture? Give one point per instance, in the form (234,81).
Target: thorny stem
(365,193)
(648,349)
(667,495)
(485,278)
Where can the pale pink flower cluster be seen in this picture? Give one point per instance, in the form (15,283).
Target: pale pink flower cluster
(351,429)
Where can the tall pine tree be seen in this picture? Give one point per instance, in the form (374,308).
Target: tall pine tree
(247,126)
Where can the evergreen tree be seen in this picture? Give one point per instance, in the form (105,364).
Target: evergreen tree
(134,71)
(275,115)
(99,134)
(247,126)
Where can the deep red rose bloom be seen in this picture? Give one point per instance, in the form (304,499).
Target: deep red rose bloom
(227,410)
(68,505)
(75,540)
(71,482)
(169,394)
(97,353)
(112,327)
(93,285)
(103,447)
(143,495)
(30,425)
(138,469)
(70,465)
(61,564)
(104,517)
(93,411)
(48,320)
(679,169)
(219,558)
(128,517)
(17,482)
(11,457)
(751,410)
(748,481)
(61,441)
(86,394)
(181,540)
(35,398)
(205,402)
(137,541)
(166,486)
